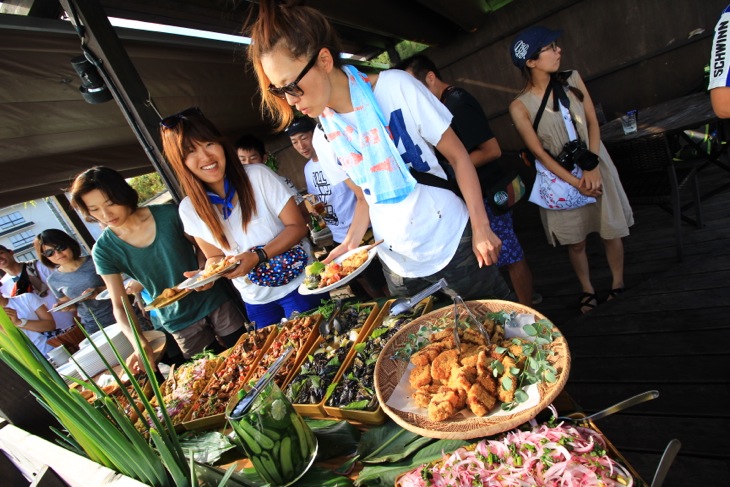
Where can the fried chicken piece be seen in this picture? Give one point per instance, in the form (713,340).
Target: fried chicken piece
(480,402)
(507,395)
(420,376)
(443,405)
(443,364)
(489,383)
(471,357)
(442,335)
(497,335)
(426,355)
(461,379)
(484,362)
(489,325)
(468,335)
(170,292)
(422,396)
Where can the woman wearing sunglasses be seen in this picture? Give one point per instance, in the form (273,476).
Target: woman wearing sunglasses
(74,275)
(242,211)
(148,244)
(377,131)
(564,96)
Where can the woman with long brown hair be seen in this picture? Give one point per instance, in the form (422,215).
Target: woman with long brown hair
(240,212)
(378,134)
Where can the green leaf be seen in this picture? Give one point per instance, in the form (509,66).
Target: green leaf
(530,330)
(506,383)
(356,405)
(550,376)
(398,451)
(382,439)
(521,396)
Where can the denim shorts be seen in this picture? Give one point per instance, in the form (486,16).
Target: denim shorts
(271,313)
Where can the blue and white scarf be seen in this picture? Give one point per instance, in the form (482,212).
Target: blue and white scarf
(367,152)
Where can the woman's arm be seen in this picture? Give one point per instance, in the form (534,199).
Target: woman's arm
(359,225)
(485,243)
(523,124)
(294,231)
(45,321)
(591,179)
(120,301)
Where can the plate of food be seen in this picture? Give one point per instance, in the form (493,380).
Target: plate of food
(428,386)
(322,278)
(71,302)
(167,297)
(211,273)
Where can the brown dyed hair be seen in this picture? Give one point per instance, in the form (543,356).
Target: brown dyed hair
(195,127)
(302,30)
(54,237)
(106,180)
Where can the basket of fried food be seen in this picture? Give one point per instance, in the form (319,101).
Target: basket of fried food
(546,454)
(508,364)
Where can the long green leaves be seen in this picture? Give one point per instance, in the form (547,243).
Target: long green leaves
(102,431)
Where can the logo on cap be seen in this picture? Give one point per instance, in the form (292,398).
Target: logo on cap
(521,49)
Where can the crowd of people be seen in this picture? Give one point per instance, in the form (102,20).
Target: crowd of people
(373,145)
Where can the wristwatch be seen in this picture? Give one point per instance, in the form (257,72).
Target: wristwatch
(261,253)
(22,323)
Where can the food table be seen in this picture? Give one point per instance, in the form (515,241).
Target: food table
(561,401)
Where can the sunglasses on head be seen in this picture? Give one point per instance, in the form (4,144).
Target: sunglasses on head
(173,120)
(52,251)
(293,89)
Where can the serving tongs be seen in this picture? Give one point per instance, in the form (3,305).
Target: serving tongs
(620,406)
(458,301)
(404,305)
(246,401)
(332,323)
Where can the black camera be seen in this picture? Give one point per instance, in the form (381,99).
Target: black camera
(576,152)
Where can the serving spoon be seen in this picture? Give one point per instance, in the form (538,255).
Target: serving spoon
(620,406)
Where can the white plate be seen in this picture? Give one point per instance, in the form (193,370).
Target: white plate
(371,255)
(75,300)
(192,282)
(105,293)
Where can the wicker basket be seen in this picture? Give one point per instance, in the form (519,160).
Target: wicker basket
(388,372)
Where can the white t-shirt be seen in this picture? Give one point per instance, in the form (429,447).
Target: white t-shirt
(421,232)
(719,61)
(25,305)
(64,319)
(271,195)
(339,200)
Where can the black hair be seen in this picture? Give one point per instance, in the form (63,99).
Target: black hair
(420,65)
(54,237)
(250,142)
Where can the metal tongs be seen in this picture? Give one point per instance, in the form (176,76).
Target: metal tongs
(247,400)
(620,406)
(458,301)
(404,305)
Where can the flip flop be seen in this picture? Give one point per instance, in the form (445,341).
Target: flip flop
(588,300)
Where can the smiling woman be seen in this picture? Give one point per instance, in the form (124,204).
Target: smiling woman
(224,199)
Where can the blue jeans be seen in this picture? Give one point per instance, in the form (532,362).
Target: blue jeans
(271,313)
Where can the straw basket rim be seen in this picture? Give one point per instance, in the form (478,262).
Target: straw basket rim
(388,372)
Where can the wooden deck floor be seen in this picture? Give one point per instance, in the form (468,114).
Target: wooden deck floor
(670,331)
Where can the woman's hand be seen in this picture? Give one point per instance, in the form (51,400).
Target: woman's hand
(486,245)
(246,262)
(591,180)
(134,361)
(13,315)
(336,252)
(94,292)
(133,287)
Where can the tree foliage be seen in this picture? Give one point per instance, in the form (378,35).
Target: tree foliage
(147,186)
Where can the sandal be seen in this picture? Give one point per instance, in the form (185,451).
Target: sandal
(614,293)
(589,301)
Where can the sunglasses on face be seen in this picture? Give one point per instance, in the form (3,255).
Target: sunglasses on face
(173,120)
(293,88)
(52,251)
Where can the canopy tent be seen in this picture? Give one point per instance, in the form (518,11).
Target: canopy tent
(48,133)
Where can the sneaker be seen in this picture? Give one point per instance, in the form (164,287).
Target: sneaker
(536,299)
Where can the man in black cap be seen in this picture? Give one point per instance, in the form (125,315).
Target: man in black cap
(339,200)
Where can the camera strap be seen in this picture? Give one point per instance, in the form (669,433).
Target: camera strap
(569,124)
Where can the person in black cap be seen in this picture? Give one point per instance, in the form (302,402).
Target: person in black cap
(339,200)
(536,53)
